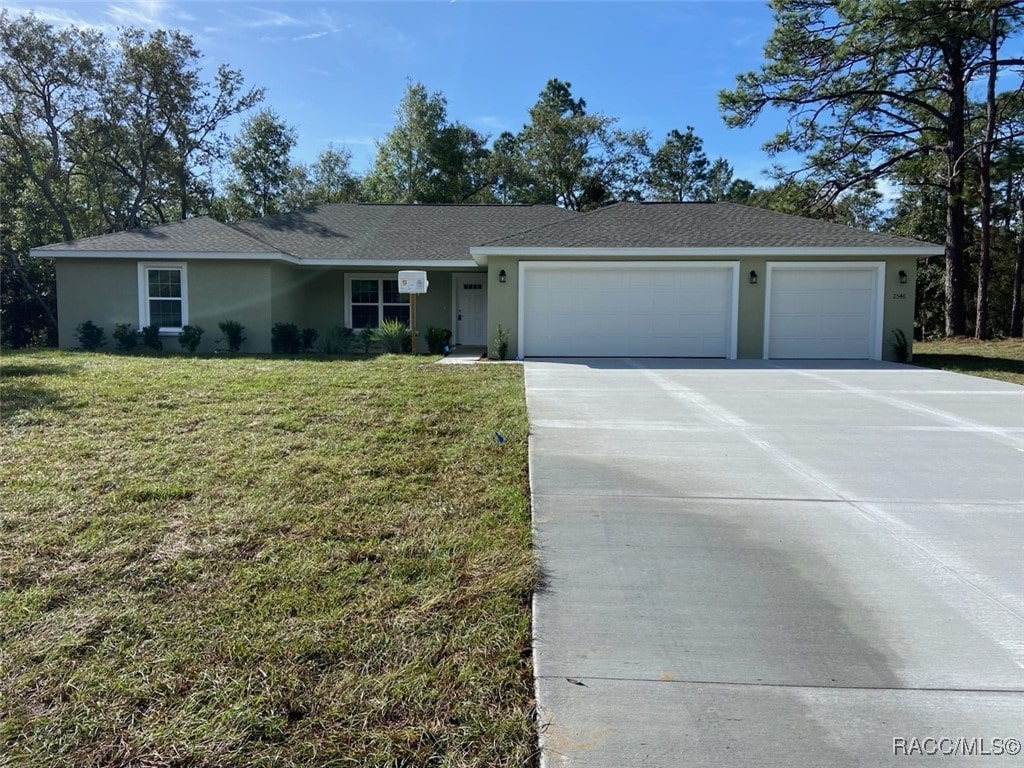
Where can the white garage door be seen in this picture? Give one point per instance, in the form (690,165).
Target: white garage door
(818,311)
(618,309)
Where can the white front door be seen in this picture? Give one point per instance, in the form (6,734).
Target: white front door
(471,309)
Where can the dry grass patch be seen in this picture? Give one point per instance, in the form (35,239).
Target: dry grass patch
(1003,360)
(257,562)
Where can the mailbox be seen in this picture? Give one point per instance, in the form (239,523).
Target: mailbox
(412,281)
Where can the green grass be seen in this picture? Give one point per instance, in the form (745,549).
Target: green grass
(263,562)
(1003,360)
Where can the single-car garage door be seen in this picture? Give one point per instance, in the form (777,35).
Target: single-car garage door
(824,311)
(627,309)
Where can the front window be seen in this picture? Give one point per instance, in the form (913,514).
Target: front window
(376,299)
(162,296)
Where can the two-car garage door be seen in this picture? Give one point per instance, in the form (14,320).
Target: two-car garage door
(616,309)
(812,310)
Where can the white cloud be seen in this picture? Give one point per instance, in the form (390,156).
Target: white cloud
(147,14)
(59,17)
(272,19)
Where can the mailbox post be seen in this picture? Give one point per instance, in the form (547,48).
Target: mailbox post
(412,282)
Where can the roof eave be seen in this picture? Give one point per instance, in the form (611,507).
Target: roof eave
(481,253)
(42,253)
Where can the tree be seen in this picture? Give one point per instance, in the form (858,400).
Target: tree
(425,158)
(871,85)
(679,170)
(98,138)
(332,177)
(571,158)
(853,208)
(50,82)
(261,157)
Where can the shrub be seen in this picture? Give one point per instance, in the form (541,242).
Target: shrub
(90,336)
(392,335)
(286,339)
(367,337)
(151,337)
(900,346)
(190,337)
(339,340)
(437,339)
(126,337)
(501,343)
(309,337)
(232,330)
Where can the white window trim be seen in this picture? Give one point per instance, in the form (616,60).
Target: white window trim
(144,267)
(350,276)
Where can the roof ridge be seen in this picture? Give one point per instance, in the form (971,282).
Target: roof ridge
(255,238)
(575,215)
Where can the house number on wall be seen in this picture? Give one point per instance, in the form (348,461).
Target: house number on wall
(899,295)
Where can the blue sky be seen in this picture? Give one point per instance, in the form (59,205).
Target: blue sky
(337,70)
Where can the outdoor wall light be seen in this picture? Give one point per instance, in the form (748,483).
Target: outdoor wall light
(903,276)
(502,277)
(753,277)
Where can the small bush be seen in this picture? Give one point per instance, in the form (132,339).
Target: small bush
(309,337)
(339,340)
(438,339)
(126,337)
(501,343)
(232,330)
(900,346)
(285,339)
(90,336)
(392,335)
(367,338)
(151,337)
(190,337)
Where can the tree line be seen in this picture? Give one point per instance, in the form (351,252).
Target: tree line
(103,135)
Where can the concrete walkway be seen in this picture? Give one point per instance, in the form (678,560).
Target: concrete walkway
(750,564)
(463,356)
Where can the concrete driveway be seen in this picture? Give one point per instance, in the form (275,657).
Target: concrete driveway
(747,563)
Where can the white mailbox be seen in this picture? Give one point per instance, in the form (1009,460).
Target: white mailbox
(412,281)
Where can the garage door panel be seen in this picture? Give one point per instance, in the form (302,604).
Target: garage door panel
(628,310)
(823,312)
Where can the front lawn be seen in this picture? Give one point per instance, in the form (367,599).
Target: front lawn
(1003,360)
(263,562)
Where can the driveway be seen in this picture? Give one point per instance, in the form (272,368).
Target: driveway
(753,564)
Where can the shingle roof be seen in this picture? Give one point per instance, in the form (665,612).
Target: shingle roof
(397,232)
(696,225)
(198,235)
(371,232)
(343,231)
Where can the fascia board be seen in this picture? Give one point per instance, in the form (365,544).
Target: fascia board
(281,257)
(481,253)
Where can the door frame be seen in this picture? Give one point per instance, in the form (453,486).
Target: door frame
(733,267)
(456,277)
(877,320)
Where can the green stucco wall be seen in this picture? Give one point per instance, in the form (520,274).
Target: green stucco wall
(255,293)
(106,291)
(103,291)
(898,313)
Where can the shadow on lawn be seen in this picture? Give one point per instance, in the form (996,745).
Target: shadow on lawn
(23,391)
(969,363)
